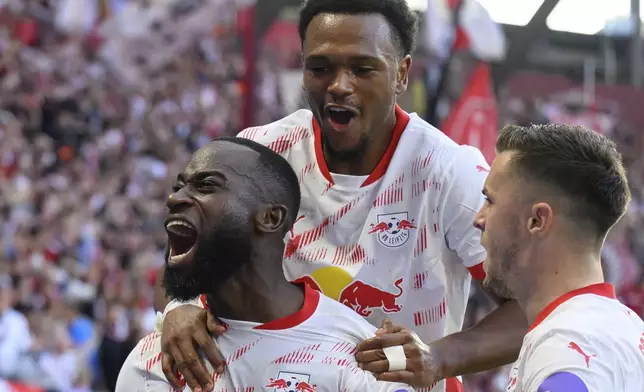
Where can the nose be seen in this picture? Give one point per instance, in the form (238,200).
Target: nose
(479,221)
(342,84)
(178,199)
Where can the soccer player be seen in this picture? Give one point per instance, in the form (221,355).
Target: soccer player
(385,223)
(228,215)
(553,193)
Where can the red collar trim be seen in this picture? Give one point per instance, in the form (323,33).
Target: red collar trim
(402,119)
(311,301)
(602,289)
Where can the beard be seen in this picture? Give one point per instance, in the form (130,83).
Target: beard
(499,272)
(220,252)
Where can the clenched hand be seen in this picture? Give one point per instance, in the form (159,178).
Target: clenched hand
(187,329)
(422,371)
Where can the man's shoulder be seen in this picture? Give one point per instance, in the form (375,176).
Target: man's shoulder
(588,327)
(296,125)
(442,153)
(143,366)
(334,318)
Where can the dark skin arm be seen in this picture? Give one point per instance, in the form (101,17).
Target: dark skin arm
(494,341)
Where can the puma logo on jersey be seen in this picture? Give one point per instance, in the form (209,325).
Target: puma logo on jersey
(575,346)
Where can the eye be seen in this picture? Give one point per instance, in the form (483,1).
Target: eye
(318,70)
(177,187)
(362,70)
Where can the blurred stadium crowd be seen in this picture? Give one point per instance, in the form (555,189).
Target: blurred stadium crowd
(86,163)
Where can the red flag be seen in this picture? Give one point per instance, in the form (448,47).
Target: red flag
(473,119)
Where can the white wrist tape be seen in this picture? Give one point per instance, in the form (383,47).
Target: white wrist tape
(176,303)
(396,358)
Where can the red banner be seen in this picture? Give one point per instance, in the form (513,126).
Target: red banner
(474,118)
(15,387)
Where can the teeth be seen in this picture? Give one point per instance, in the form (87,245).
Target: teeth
(177,258)
(180,223)
(334,109)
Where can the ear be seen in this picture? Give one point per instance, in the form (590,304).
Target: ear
(541,220)
(402,76)
(270,218)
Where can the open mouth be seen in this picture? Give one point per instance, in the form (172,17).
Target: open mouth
(182,237)
(340,117)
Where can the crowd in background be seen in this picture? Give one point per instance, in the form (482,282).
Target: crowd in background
(85,167)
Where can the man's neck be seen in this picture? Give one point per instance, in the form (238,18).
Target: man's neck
(570,273)
(256,296)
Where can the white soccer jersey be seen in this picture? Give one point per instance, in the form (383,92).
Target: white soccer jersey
(310,351)
(397,243)
(585,341)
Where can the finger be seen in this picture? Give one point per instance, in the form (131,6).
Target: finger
(167,364)
(215,327)
(194,363)
(190,379)
(384,340)
(386,326)
(404,376)
(376,367)
(208,346)
(181,368)
(370,356)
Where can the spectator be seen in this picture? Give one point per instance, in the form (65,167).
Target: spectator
(15,339)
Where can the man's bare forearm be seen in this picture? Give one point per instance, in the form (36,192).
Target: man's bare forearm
(160,299)
(494,341)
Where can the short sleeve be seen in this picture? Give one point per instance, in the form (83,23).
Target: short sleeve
(461,200)
(132,376)
(141,371)
(559,364)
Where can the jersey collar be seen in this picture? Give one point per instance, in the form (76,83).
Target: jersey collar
(311,301)
(402,119)
(602,289)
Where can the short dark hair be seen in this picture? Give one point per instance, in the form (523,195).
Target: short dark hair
(577,163)
(277,176)
(401,18)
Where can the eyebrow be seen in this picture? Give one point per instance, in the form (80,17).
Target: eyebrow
(362,57)
(201,175)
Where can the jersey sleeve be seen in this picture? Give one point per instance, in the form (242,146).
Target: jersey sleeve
(558,364)
(131,378)
(141,371)
(461,200)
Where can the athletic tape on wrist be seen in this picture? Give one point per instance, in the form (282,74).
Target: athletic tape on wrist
(172,305)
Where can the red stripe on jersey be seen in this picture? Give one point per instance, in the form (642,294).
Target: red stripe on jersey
(392,194)
(420,163)
(421,242)
(402,119)
(204,301)
(453,385)
(288,140)
(477,271)
(311,300)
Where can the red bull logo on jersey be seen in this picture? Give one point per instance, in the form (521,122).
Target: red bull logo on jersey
(291,382)
(364,298)
(392,229)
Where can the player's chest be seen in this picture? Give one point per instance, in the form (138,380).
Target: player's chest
(365,226)
(282,377)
